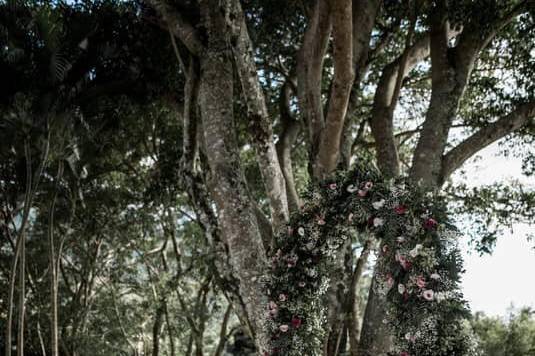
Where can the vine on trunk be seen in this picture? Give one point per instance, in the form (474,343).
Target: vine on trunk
(420,265)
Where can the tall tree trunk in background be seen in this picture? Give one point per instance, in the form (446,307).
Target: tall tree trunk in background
(53,268)
(157,329)
(18,247)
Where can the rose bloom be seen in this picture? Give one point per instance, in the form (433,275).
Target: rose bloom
(368,185)
(332,186)
(296,322)
(400,209)
(404,353)
(430,223)
(362,193)
(420,282)
(428,294)
(284,328)
(404,262)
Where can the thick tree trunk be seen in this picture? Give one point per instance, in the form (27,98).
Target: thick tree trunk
(237,218)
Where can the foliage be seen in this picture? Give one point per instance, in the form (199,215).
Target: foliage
(419,271)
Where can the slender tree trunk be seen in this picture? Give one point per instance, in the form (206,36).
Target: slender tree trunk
(53,271)
(157,329)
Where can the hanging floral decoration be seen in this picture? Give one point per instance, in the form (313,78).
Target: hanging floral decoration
(418,268)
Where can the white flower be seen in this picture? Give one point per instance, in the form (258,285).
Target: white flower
(415,251)
(435,276)
(400,239)
(284,328)
(401,288)
(378,222)
(301,231)
(428,294)
(378,204)
(351,188)
(440,297)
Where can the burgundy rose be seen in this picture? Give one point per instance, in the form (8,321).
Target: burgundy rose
(430,224)
(400,209)
(296,322)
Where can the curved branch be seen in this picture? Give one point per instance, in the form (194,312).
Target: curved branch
(179,26)
(485,136)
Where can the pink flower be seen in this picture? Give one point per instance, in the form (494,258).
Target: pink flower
(420,282)
(302,284)
(368,185)
(284,328)
(296,322)
(404,262)
(320,220)
(400,209)
(332,186)
(273,309)
(430,223)
(428,294)
(362,193)
(283,297)
(404,353)
(389,280)
(291,261)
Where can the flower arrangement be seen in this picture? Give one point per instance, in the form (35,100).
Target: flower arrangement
(418,268)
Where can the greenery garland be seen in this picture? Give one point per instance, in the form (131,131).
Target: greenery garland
(419,266)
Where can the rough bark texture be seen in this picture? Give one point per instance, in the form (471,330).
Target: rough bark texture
(260,123)
(309,72)
(236,212)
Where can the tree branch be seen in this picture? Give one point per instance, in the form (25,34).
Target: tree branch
(289,131)
(344,73)
(309,71)
(260,123)
(179,26)
(485,136)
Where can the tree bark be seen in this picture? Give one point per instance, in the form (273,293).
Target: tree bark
(236,212)
(53,270)
(344,74)
(260,123)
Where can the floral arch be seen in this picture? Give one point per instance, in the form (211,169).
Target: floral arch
(419,266)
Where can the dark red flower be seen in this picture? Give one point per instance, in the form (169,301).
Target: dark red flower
(404,353)
(400,209)
(296,322)
(430,223)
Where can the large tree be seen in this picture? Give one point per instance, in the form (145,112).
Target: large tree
(269,96)
(326,70)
